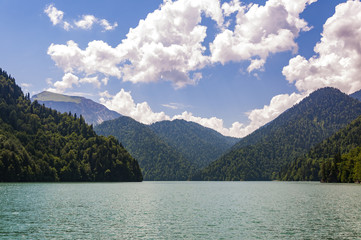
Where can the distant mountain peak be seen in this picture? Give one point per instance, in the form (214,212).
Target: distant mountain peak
(261,154)
(93,112)
(55,97)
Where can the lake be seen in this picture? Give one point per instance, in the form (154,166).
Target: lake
(180,210)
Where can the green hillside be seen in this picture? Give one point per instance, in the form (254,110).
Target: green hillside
(198,144)
(336,159)
(261,155)
(157,159)
(40,144)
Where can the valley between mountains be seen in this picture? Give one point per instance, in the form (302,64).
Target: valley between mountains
(317,139)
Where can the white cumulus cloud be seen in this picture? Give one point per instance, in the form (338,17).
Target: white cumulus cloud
(168,45)
(260,31)
(124,104)
(98,57)
(277,105)
(213,123)
(91,80)
(67,82)
(337,62)
(55,15)
(86,22)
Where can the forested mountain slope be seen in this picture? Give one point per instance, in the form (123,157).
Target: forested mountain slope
(40,144)
(157,159)
(261,155)
(336,159)
(356,95)
(198,144)
(93,113)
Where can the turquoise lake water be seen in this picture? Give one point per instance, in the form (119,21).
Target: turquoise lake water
(180,210)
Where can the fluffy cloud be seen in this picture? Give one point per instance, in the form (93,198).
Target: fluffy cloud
(257,117)
(260,31)
(91,80)
(256,64)
(67,82)
(278,104)
(106,25)
(213,123)
(337,62)
(55,15)
(166,45)
(124,104)
(86,22)
(98,57)
(231,7)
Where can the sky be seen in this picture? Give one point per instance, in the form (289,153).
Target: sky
(231,65)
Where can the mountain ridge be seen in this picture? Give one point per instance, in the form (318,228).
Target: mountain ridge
(260,155)
(198,144)
(40,144)
(336,159)
(93,113)
(157,159)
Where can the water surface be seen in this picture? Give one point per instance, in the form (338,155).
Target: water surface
(180,210)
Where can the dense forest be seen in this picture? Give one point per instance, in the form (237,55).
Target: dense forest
(261,155)
(200,145)
(336,159)
(40,144)
(157,159)
(356,95)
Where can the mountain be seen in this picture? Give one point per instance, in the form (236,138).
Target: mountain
(198,144)
(261,155)
(40,144)
(356,95)
(336,159)
(93,113)
(157,159)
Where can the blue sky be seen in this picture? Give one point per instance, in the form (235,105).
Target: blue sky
(229,65)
